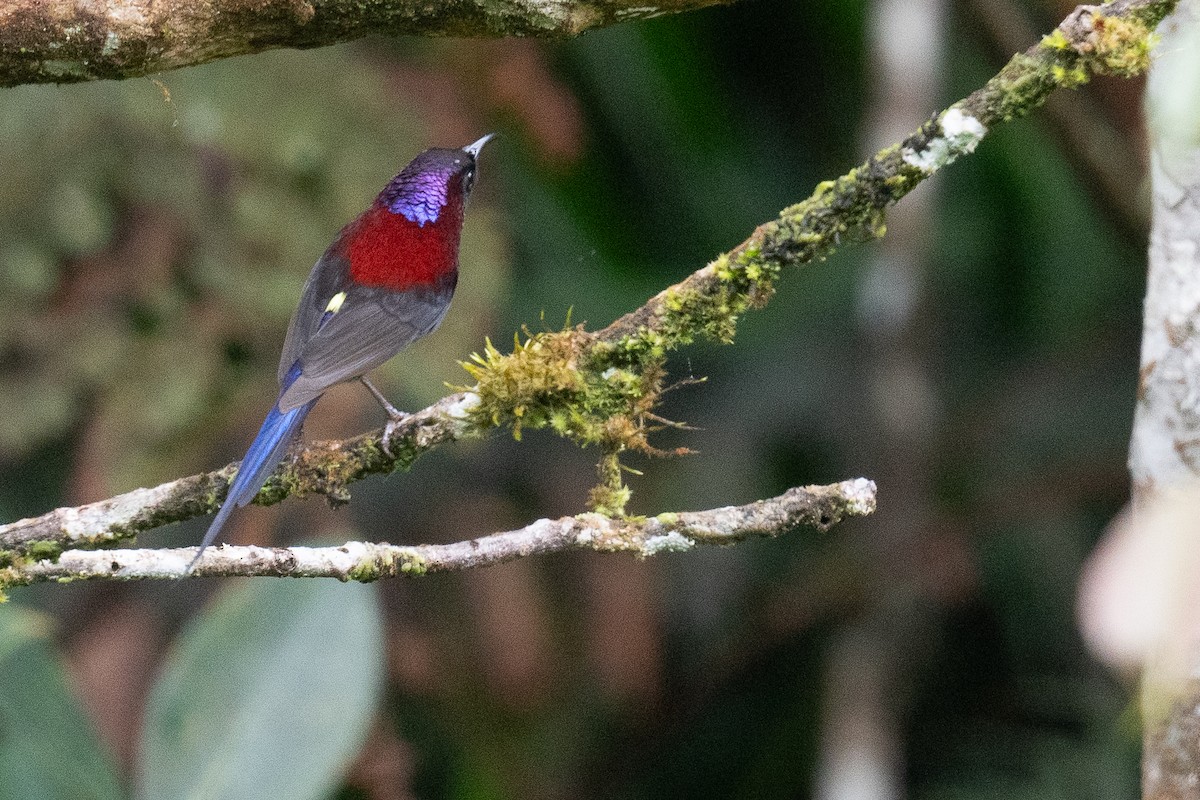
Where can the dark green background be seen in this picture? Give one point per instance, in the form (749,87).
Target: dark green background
(153,237)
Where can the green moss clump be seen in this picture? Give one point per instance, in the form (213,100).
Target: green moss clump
(43,551)
(385,567)
(592,392)
(538,379)
(404,455)
(1122,46)
(12,562)
(1020,87)
(370,570)
(10,576)
(1056,40)
(1070,76)
(1114,46)
(711,308)
(566,381)
(610,496)
(414,565)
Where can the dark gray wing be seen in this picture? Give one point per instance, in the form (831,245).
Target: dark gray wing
(328,277)
(370,327)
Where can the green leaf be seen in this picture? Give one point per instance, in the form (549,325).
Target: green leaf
(47,749)
(268,695)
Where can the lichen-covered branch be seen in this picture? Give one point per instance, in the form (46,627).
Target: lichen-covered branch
(1164,452)
(1112,39)
(600,388)
(819,507)
(66,41)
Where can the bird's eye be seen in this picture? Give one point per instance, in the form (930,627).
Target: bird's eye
(469,179)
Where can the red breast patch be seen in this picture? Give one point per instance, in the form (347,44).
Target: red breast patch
(388,251)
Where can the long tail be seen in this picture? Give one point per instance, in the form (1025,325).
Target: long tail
(277,432)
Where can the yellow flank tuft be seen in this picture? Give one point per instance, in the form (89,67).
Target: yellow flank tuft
(335,303)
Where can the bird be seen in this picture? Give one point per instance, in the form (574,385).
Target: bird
(385,281)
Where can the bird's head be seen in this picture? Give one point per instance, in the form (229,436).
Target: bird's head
(433,180)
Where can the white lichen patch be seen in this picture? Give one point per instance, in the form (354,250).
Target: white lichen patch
(463,407)
(860,496)
(111,42)
(96,521)
(673,542)
(638,12)
(964,131)
(961,134)
(133,17)
(60,69)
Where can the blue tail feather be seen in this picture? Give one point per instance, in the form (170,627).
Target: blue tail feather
(269,446)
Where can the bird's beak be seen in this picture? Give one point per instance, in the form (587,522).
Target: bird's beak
(474,147)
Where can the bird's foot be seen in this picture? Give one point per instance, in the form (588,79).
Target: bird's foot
(396,419)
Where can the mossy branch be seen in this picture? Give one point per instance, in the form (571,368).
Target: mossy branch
(66,41)
(819,507)
(599,388)
(602,388)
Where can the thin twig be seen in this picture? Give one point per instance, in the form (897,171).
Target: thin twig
(819,507)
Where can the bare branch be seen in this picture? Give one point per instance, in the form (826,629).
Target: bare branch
(819,507)
(572,380)
(66,41)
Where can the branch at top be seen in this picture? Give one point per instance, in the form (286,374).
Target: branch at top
(819,507)
(67,41)
(598,388)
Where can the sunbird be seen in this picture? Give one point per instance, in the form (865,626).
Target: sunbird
(385,282)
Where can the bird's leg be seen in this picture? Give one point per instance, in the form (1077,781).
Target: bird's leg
(395,415)
(392,411)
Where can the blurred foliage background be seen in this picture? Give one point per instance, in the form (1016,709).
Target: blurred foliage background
(154,235)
